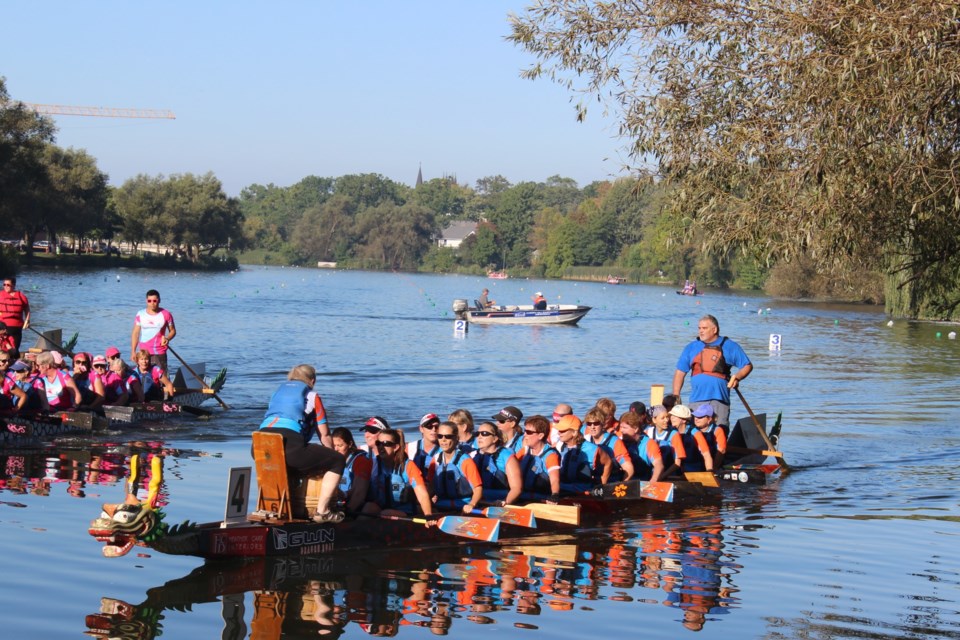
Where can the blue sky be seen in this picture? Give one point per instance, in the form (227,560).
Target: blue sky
(273,92)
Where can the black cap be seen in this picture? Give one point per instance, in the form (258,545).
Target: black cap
(509,413)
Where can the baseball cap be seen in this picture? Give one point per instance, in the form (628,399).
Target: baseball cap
(112,351)
(681,411)
(430,418)
(568,422)
(57,358)
(99,360)
(703,411)
(376,422)
(19,365)
(509,413)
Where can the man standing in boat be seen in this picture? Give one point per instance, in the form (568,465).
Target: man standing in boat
(153,329)
(710,359)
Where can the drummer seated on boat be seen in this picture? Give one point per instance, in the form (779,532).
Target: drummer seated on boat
(397,487)
(539,461)
(456,484)
(57,390)
(294,412)
(499,467)
(153,379)
(644,452)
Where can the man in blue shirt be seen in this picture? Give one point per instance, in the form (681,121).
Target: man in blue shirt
(710,359)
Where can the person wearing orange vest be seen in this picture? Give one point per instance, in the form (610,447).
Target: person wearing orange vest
(14,311)
(710,359)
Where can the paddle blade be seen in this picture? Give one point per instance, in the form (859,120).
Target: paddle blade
(484,529)
(512,515)
(706,478)
(565,513)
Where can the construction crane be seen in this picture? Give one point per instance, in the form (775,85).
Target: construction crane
(100,112)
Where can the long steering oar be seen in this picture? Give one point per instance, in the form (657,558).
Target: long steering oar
(201,380)
(756,423)
(486,529)
(511,515)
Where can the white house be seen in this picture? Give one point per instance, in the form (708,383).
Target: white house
(454,235)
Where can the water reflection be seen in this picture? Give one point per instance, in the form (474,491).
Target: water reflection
(681,561)
(38,472)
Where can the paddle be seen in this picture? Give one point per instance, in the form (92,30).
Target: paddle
(632,489)
(484,529)
(201,380)
(511,515)
(706,478)
(756,423)
(565,513)
(19,505)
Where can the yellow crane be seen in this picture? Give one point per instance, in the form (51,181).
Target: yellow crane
(100,112)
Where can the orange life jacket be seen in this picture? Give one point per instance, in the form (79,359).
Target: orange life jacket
(710,362)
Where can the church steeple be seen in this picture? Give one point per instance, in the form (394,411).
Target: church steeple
(420,175)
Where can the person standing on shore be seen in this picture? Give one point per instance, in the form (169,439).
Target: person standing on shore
(710,359)
(14,312)
(153,329)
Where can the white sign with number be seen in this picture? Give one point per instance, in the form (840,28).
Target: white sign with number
(775,342)
(459,328)
(238,496)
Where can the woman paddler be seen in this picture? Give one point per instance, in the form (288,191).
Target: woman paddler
(499,467)
(540,463)
(396,484)
(293,414)
(153,380)
(355,481)
(60,392)
(457,483)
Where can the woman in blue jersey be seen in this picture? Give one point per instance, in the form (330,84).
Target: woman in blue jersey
(499,467)
(456,484)
(293,413)
(396,485)
(540,463)
(355,481)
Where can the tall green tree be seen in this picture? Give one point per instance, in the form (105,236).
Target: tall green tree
(513,218)
(75,197)
(824,129)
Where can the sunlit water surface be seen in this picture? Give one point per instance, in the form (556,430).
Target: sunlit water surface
(858,542)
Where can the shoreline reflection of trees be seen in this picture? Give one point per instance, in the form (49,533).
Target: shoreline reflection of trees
(679,561)
(36,472)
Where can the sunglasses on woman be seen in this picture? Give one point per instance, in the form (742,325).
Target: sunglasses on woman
(445,436)
(386,443)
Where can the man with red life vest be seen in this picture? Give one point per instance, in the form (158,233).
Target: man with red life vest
(14,311)
(710,359)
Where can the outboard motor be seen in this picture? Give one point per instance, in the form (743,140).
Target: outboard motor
(460,307)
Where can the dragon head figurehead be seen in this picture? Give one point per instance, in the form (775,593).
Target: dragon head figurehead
(121,526)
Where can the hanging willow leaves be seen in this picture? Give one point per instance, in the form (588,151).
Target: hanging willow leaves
(827,129)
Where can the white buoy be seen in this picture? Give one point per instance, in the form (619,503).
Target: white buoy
(890,323)
(118,277)
(759,312)
(744,304)
(952,335)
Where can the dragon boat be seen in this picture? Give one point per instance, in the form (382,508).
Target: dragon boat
(278,525)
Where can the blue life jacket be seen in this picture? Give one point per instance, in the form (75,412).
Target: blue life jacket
(390,488)
(493,473)
(665,443)
(346,480)
(421,457)
(642,464)
(694,460)
(576,470)
(516,443)
(450,484)
(287,409)
(536,478)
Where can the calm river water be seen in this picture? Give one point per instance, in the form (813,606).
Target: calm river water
(859,542)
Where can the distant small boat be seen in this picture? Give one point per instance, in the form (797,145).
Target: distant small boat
(616,280)
(689,292)
(497,275)
(520,314)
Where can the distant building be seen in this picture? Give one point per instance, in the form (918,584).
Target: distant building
(454,235)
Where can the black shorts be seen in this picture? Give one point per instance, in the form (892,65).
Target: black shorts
(308,459)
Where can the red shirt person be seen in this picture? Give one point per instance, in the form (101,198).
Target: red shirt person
(14,311)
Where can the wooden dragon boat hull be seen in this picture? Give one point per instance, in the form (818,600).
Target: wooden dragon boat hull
(272,531)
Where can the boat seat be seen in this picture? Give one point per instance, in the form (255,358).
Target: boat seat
(273,486)
(480,307)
